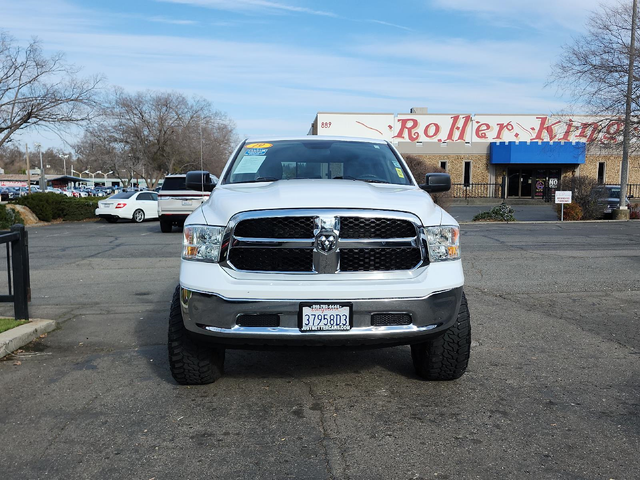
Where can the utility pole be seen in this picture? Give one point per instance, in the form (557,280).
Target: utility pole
(43,179)
(622,213)
(26,146)
(64,162)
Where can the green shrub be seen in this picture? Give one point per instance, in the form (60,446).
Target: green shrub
(79,208)
(45,206)
(499,213)
(9,217)
(50,206)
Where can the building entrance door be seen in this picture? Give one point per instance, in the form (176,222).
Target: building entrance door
(531,182)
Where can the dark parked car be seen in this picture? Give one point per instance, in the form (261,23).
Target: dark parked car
(609,197)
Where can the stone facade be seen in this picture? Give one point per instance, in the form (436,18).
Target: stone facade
(455,166)
(612,167)
(483,172)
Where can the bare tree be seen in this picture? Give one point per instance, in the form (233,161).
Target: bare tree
(593,68)
(40,91)
(12,158)
(150,134)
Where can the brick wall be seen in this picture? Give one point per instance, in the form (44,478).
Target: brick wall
(480,167)
(613,164)
(455,166)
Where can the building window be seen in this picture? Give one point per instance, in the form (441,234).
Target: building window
(443,165)
(467,173)
(601,173)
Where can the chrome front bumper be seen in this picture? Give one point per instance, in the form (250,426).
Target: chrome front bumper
(214,317)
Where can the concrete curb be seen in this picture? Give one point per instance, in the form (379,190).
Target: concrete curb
(533,222)
(15,338)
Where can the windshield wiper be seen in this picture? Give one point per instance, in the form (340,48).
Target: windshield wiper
(262,179)
(367,180)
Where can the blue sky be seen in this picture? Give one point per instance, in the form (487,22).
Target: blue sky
(271,65)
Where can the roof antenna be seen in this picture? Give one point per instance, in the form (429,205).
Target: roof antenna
(201,166)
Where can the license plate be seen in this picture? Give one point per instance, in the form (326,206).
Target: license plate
(186,202)
(325,316)
(105,205)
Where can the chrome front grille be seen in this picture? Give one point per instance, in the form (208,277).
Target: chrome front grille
(324,241)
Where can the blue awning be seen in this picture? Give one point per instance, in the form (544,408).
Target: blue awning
(546,153)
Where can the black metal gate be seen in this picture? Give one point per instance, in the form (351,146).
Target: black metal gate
(17,270)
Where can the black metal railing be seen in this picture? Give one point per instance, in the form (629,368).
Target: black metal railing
(17,270)
(633,189)
(477,190)
(497,190)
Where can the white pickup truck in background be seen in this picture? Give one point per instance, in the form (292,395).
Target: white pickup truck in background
(176,202)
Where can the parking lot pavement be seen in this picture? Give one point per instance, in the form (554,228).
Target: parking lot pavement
(551,392)
(523,213)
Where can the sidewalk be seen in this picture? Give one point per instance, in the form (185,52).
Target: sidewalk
(19,336)
(523,213)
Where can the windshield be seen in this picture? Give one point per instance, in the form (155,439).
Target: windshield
(122,195)
(174,183)
(323,159)
(613,192)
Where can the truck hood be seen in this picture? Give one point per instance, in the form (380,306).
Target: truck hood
(227,200)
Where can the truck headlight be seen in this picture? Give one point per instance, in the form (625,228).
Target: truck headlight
(202,243)
(444,243)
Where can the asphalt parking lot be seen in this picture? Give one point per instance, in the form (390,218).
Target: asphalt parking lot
(552,390)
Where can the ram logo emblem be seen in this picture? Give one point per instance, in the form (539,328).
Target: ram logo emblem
(326,243)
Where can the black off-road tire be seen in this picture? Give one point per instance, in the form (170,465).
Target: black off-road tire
(190,362)
(166,226)
(446,356)
(138,216)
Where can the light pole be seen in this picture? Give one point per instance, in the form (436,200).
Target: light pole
(93,175)
(621,213)
(64,161)
(43,179)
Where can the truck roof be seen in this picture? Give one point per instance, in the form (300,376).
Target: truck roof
(314,138)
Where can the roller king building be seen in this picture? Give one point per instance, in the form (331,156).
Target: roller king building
(532,152)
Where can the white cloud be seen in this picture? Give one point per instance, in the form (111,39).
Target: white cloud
(172,21)
(252,6)
(277,88)
(571,14)
(463,58)
(388,24)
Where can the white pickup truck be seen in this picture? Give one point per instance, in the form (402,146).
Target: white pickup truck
(176,202)
(319,241)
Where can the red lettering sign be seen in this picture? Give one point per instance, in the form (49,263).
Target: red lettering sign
(432,130)
(584,127)
(408,125)
(543,128)
(481,129)
(502,127)
(612,132)
(462,130)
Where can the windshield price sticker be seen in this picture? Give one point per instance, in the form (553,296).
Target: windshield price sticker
(256,152)
(563,196)
(323,317)
(259,145)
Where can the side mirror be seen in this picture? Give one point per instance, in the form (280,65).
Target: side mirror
(630,196)
(200,181)
(436,182)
